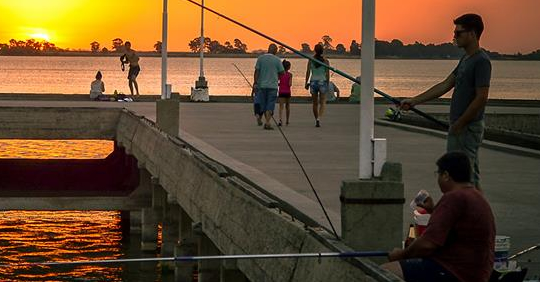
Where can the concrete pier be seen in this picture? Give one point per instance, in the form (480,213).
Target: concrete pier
(170,234)
(209,270)
(241,182)
(372,211)
(188,246)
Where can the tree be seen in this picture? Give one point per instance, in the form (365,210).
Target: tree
(118,45)
(355,48)
(94,47)
(104,50)
(327,42)
(158,46)
(215,47)
(239,46)
(228,47)
(306,48)
(195,44)
(340,49)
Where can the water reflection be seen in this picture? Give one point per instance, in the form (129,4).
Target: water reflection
(55,149)
(37,236)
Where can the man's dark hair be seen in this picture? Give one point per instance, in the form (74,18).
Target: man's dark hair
(457,164)
(471,22)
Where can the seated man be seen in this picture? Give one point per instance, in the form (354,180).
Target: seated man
(458,244)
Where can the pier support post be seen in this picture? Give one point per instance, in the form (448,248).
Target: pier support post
(149,229)
(159,197)
(231,273)
(168,116)
(372,211)
(187,246)
(135,220)
(170,232)
(209,270)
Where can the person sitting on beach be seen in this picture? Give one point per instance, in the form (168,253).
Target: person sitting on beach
(459,241)
(333,92)
(355,91)
(284,96)
(317,78)
(97,87)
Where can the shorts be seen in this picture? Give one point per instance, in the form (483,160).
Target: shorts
(318,87)
(425,270)
(133,72)
(266,98)
(284,95)
(468,142)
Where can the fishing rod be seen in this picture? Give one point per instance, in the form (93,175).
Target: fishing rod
(249,83)
(530,249)
(300,164)
(386,96)
(206,258)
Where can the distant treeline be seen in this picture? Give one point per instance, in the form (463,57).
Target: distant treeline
(383,49)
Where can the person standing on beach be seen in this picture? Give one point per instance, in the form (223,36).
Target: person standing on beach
(471,81)
(267,70)
(317,78)
(284,96)
(131,58)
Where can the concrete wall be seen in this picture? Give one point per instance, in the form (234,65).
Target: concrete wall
(58,123)
(514,129)
(234,220)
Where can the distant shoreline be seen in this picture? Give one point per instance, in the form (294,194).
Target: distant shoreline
(233,56)
(245,99)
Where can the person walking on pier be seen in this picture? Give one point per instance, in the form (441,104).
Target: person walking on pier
(131,58)
(267,70)
(459,241)
(317,78)
(471,81)
(284,96)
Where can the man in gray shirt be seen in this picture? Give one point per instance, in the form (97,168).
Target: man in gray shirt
(267,69)
(470,80)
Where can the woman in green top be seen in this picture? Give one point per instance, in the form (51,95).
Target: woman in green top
(317,78)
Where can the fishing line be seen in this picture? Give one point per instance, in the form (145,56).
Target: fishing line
(300,164)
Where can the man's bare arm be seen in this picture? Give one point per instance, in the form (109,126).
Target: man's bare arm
(436,91)
(419,248)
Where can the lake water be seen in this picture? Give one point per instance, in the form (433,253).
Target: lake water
(39,236)
(400,78)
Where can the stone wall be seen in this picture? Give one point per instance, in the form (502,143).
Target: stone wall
(238,222)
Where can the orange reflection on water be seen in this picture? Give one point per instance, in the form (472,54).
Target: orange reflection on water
(39,236)
(55,149)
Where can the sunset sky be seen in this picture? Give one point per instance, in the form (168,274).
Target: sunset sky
(511,26)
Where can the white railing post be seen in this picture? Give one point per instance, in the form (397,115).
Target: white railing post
(367,87)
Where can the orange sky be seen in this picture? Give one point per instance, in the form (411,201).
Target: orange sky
(511,26)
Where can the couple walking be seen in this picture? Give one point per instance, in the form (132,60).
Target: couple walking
(272,76)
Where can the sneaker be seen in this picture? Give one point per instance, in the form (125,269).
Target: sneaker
(280,123)
(317,123)
(268,127)
(259,121)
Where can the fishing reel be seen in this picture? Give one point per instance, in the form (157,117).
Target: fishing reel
(393,114)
